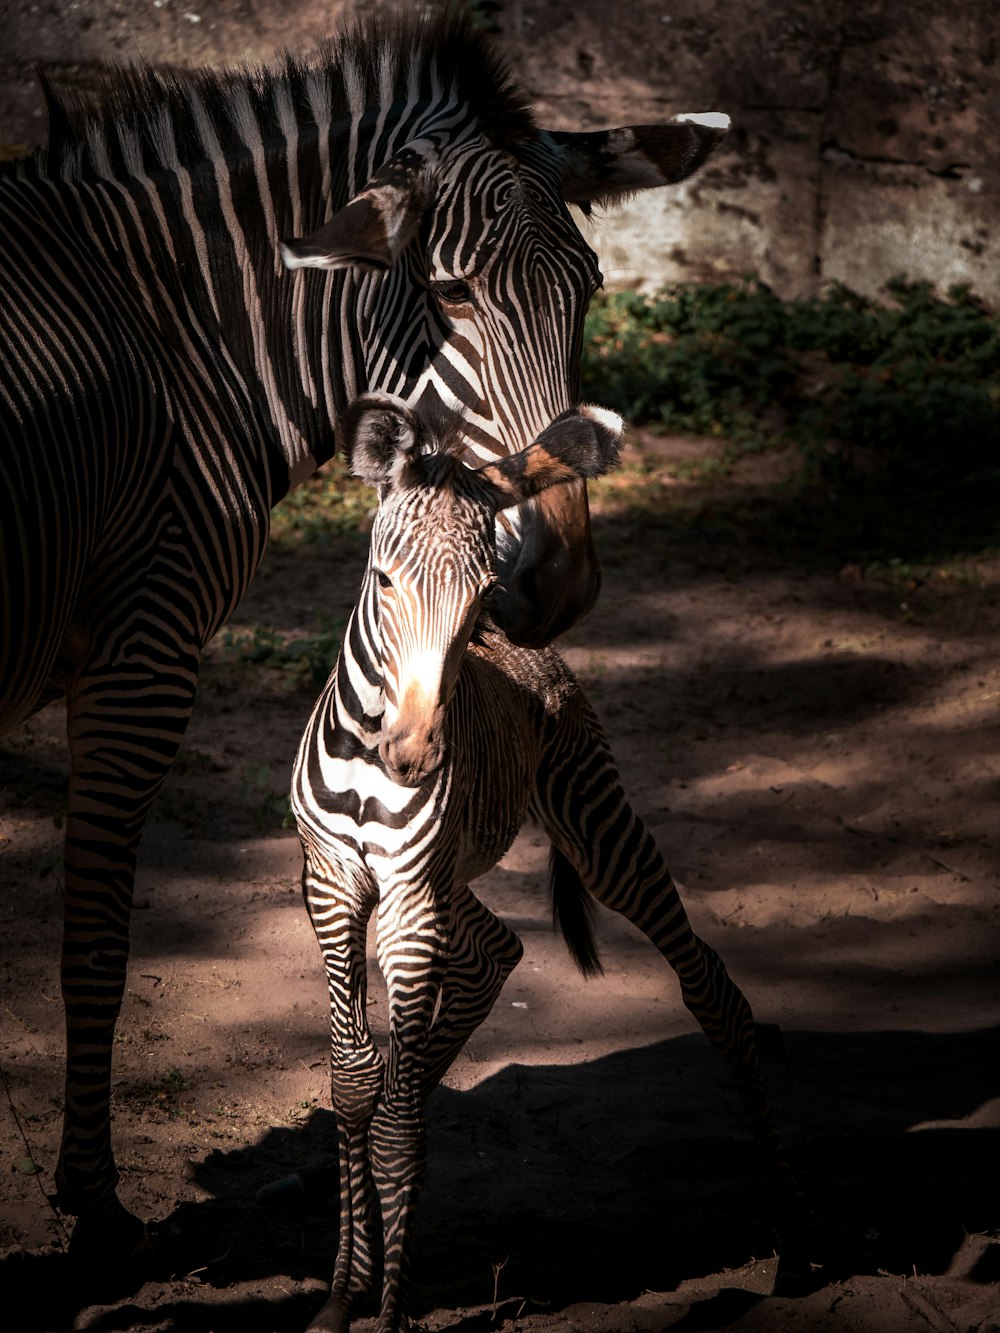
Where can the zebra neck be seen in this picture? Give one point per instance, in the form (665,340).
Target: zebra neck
(359,696)
(290,346)
(192,179)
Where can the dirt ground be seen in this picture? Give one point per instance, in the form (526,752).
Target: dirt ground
(816,750)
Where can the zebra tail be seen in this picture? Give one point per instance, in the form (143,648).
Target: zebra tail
(573,914)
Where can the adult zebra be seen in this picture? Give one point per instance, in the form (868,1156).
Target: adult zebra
(166,382)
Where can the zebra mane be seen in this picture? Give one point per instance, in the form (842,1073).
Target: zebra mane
(146,119)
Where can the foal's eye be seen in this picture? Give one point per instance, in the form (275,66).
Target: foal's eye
(384,581)
(452,292)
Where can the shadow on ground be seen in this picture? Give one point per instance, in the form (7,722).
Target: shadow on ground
(596,1182)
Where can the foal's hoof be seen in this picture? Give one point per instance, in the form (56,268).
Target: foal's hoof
(795,1276)
(335,1317)
(793,1282)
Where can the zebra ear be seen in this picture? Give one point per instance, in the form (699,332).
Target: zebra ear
(376,226)
(380,435)
(582,442)
(602,166)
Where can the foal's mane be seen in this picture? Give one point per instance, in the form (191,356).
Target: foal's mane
(157,118)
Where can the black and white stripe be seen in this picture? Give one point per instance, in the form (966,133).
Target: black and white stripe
(401,801)
(167,379)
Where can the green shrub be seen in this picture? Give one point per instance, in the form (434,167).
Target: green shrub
(906,392)
(696,359)
(306,661)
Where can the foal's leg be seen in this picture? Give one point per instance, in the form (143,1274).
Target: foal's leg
(484,952)
(340,905)
(601,843)
(444,969)
(413,952)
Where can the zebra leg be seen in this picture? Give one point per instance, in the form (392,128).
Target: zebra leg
(413,953)
(601,844)
(123,734)
(339,906)
(484,952)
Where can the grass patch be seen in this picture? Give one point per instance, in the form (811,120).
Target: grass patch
(299,662)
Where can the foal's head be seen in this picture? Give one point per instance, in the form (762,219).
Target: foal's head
(433,550)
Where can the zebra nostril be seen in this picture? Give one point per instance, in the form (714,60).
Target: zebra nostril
(410,759)
(387,751)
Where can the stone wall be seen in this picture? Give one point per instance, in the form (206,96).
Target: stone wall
(864,141)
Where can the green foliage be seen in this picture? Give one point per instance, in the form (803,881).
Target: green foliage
(906,393)
(270,808)
(331,506)
(307,661)
(704,360)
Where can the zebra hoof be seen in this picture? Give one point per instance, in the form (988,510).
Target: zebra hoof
(335,1317)
(795,1276)
(792,1283)
(108,1239)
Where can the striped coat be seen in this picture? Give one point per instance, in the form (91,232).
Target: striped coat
(433,742)
(196,278)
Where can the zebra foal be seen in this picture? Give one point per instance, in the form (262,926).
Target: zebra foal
(433,741)
(196,277)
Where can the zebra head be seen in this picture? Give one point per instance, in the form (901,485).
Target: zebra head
(473,281)
(432,563)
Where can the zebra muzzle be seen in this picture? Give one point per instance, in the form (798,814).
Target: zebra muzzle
(411,757)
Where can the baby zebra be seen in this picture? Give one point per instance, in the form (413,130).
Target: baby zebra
(432,743)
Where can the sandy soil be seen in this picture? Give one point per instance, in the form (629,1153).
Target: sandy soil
(817,752)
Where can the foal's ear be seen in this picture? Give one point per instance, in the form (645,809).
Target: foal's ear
(582,442)
(380,435)
(374,228)
(603,166)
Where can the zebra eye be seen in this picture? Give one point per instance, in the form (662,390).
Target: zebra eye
(384,581)
(452,292)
